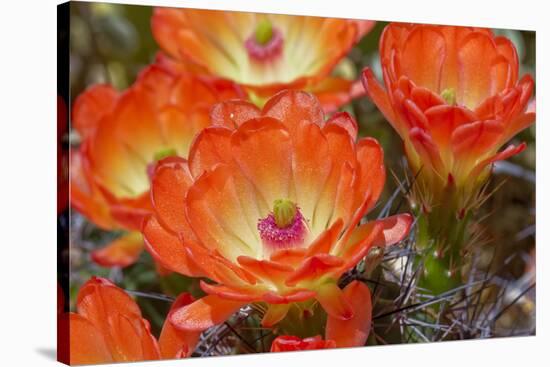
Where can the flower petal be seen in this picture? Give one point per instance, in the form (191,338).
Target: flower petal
(219,218)
(87,344)
(334,302)
(344,119)
(168,249)
(176,343)
(352,332)
(204,313)
(121,252)
(292,107)
(90,106)
(249,294)
(258,142)
(211,146)
(310,168)
(379,96)
(313,268)
(118,318)
(234,113)
(169,186)
(268,270)
(370,173)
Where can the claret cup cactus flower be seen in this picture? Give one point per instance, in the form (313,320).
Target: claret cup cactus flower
(265,53)
(455,97)
(268,207)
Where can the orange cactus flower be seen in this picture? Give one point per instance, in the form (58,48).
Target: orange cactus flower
(108,327)
(286,343)
(123,135)
(263,52)
(454,96)
(268,206)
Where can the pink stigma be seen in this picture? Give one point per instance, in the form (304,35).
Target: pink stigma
(281,238)
(266,52)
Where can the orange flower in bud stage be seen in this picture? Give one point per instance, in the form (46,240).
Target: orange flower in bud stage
(268,206)
(287,343)
(108,327)
(123,135)
(454,96)
(263,52)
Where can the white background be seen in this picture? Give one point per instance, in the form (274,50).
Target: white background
(28,183)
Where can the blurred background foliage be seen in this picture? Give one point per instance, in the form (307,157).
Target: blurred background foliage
(111,43)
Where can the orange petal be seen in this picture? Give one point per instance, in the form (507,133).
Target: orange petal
(344,119)
(334,302)
(297,295)
(121,252)
(260,141)
(393,230)
(87,344)
(265,269)
(204,313)
(218,215)
(337,198)
(232,114)
(476,54)
(211,146)
(90,106)
(371,173)
(326,240)
(249,294)
(169,186)
(358,246)
(176,343)
(118,318)
(292,107)
(443,120)
(86,197)
(168,249)
(124,143)
(510,151)
(313,268)
(379,96)
(427,150)
(422,56)
(475,139)
(352,332)
(507,49)
(310,168)
(425,98)
(131,214)
(291,256)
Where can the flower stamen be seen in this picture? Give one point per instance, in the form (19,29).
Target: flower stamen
(265,43)
(449,95)
(285,227)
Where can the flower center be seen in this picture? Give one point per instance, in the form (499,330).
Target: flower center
(284,227)
(164,153)
(265,43)
(449,95)
(159,154)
